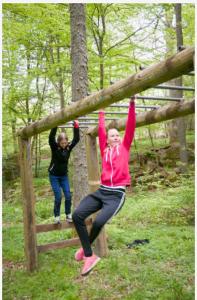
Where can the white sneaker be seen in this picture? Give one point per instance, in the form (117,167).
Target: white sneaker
(57,220)
(69,218)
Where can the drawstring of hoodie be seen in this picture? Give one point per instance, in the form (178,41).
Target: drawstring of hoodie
(107,154)
(117,151)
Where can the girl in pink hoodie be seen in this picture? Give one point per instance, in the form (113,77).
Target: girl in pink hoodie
(110,196)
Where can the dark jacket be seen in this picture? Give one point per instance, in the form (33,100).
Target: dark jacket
(60,157)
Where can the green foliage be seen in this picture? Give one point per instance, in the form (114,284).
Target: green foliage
(36,53)
(36,61)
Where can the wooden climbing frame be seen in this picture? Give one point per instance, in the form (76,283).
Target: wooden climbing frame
(31,229)
(173,67)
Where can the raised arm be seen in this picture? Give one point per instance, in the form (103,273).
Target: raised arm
(76,137)
(52,141)
(130,125)
(102,132)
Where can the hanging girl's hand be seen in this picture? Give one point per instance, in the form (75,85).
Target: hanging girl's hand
(76,123)
(133,98)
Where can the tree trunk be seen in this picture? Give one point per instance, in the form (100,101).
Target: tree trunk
(61,93)
(60,81)
(177,128)
(173,125)
(28,86)
(28,204)
(36,157)
(13,122)
(101,73)
(39,152)
(179,33)
(79,91)
(181,122)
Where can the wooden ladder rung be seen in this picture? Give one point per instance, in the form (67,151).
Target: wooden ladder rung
(58,245)
(62,225)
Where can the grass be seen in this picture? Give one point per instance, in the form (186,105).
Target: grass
(160,270)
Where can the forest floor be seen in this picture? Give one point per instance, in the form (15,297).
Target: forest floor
(163,269)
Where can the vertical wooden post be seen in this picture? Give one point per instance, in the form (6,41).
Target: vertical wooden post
(28,204)
(94,181)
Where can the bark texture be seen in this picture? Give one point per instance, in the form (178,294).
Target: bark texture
(28,204)
(181,121)
(177,127)
(79,90)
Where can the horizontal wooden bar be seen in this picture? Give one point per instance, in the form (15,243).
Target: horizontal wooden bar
(149,98)
(136,106)
(164,113)
(190,74)
(120,112)
(88,122)
(123,106)
(71,127)
(160,98)
(174,66)
(63,225)
(89,118)
(174,87)
(59,245)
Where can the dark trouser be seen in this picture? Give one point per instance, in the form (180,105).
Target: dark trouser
(108,201)
(58,183)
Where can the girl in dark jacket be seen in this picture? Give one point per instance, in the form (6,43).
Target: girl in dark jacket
(58,169)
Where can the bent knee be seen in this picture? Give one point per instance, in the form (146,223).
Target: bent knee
(76,216)
(98,223)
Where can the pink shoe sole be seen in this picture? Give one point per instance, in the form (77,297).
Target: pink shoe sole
(91,267)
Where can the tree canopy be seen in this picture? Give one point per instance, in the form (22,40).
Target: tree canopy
(120,39)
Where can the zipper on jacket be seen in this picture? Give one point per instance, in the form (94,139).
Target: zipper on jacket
(111,166)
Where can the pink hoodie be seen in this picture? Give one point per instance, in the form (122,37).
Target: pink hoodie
(115,160)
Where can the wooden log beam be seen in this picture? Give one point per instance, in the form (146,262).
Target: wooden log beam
(175,66)
(58,245)
(63,225)
(28,204)
(166,112)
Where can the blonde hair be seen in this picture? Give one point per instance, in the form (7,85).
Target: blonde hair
(62,136)
(111,129)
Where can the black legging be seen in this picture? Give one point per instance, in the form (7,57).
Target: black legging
(109,201)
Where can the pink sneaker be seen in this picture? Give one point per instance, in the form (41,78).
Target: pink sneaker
(89,263)
(79,255)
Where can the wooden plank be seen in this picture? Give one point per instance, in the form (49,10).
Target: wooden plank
(172,67)
(164,113)
(92,164)
(58,245)
(94,182)
(28,204)
(64,225)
